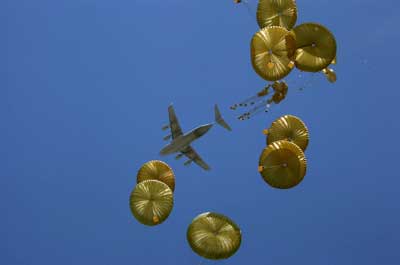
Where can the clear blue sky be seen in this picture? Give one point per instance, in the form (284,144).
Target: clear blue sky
(84,91)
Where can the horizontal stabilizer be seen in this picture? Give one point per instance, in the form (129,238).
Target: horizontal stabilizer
(220,120)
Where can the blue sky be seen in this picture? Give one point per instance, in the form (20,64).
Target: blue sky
(85,86)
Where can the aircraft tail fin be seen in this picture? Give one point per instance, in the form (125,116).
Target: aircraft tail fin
(220,120)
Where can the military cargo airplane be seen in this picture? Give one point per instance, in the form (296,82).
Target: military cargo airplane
(181,142)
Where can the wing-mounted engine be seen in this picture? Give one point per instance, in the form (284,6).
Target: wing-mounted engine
(165,127)
(178,156)
(166,138)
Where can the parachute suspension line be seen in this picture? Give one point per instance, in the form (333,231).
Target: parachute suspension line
(300,84)
(248,8)
(306,45)
(250,101)
(307,82)
(275,166)
(249,11)
(311,79)
(258,103)
(253,99)
(262,106)
(297,83)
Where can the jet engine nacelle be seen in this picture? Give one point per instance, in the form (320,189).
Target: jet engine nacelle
(165,127)
(167,137)
(187,163)
(178,156)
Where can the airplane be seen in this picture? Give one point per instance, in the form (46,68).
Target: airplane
(181,142)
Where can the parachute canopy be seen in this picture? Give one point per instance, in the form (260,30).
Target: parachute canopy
(214,236)
(289,128)
(276,13)
(278,47)
(157,170)
(315,47)
(282,164)
(151,202)
(271,51)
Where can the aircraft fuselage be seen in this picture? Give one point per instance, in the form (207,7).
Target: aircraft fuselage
(181,142)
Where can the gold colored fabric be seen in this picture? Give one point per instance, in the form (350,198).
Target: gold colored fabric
(282,164)
(151,202)
(289,128)
(214,236)
(157,170)
(316,47)
(280,91)
(271,51)
(330,74)
(277,13)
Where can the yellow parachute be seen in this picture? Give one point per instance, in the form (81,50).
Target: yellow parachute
(214,236)
(271,51)
(282,164)
(151,202)
(278,47)
(157,170)
(315,47)
(276,13)
(289,128)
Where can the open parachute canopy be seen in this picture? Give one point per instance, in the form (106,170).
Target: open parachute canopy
(276,49)
(151,202)
(289,128)
(279,46)
(315,47)
(157,170)
(281,13)
(271,51)
(214,236)
(282,164)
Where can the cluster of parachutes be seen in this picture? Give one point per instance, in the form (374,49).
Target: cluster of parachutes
(282,163)
(278,47)
(152,199)
(210,235)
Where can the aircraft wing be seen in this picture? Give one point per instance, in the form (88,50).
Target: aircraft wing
(192,155)
(173,123)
